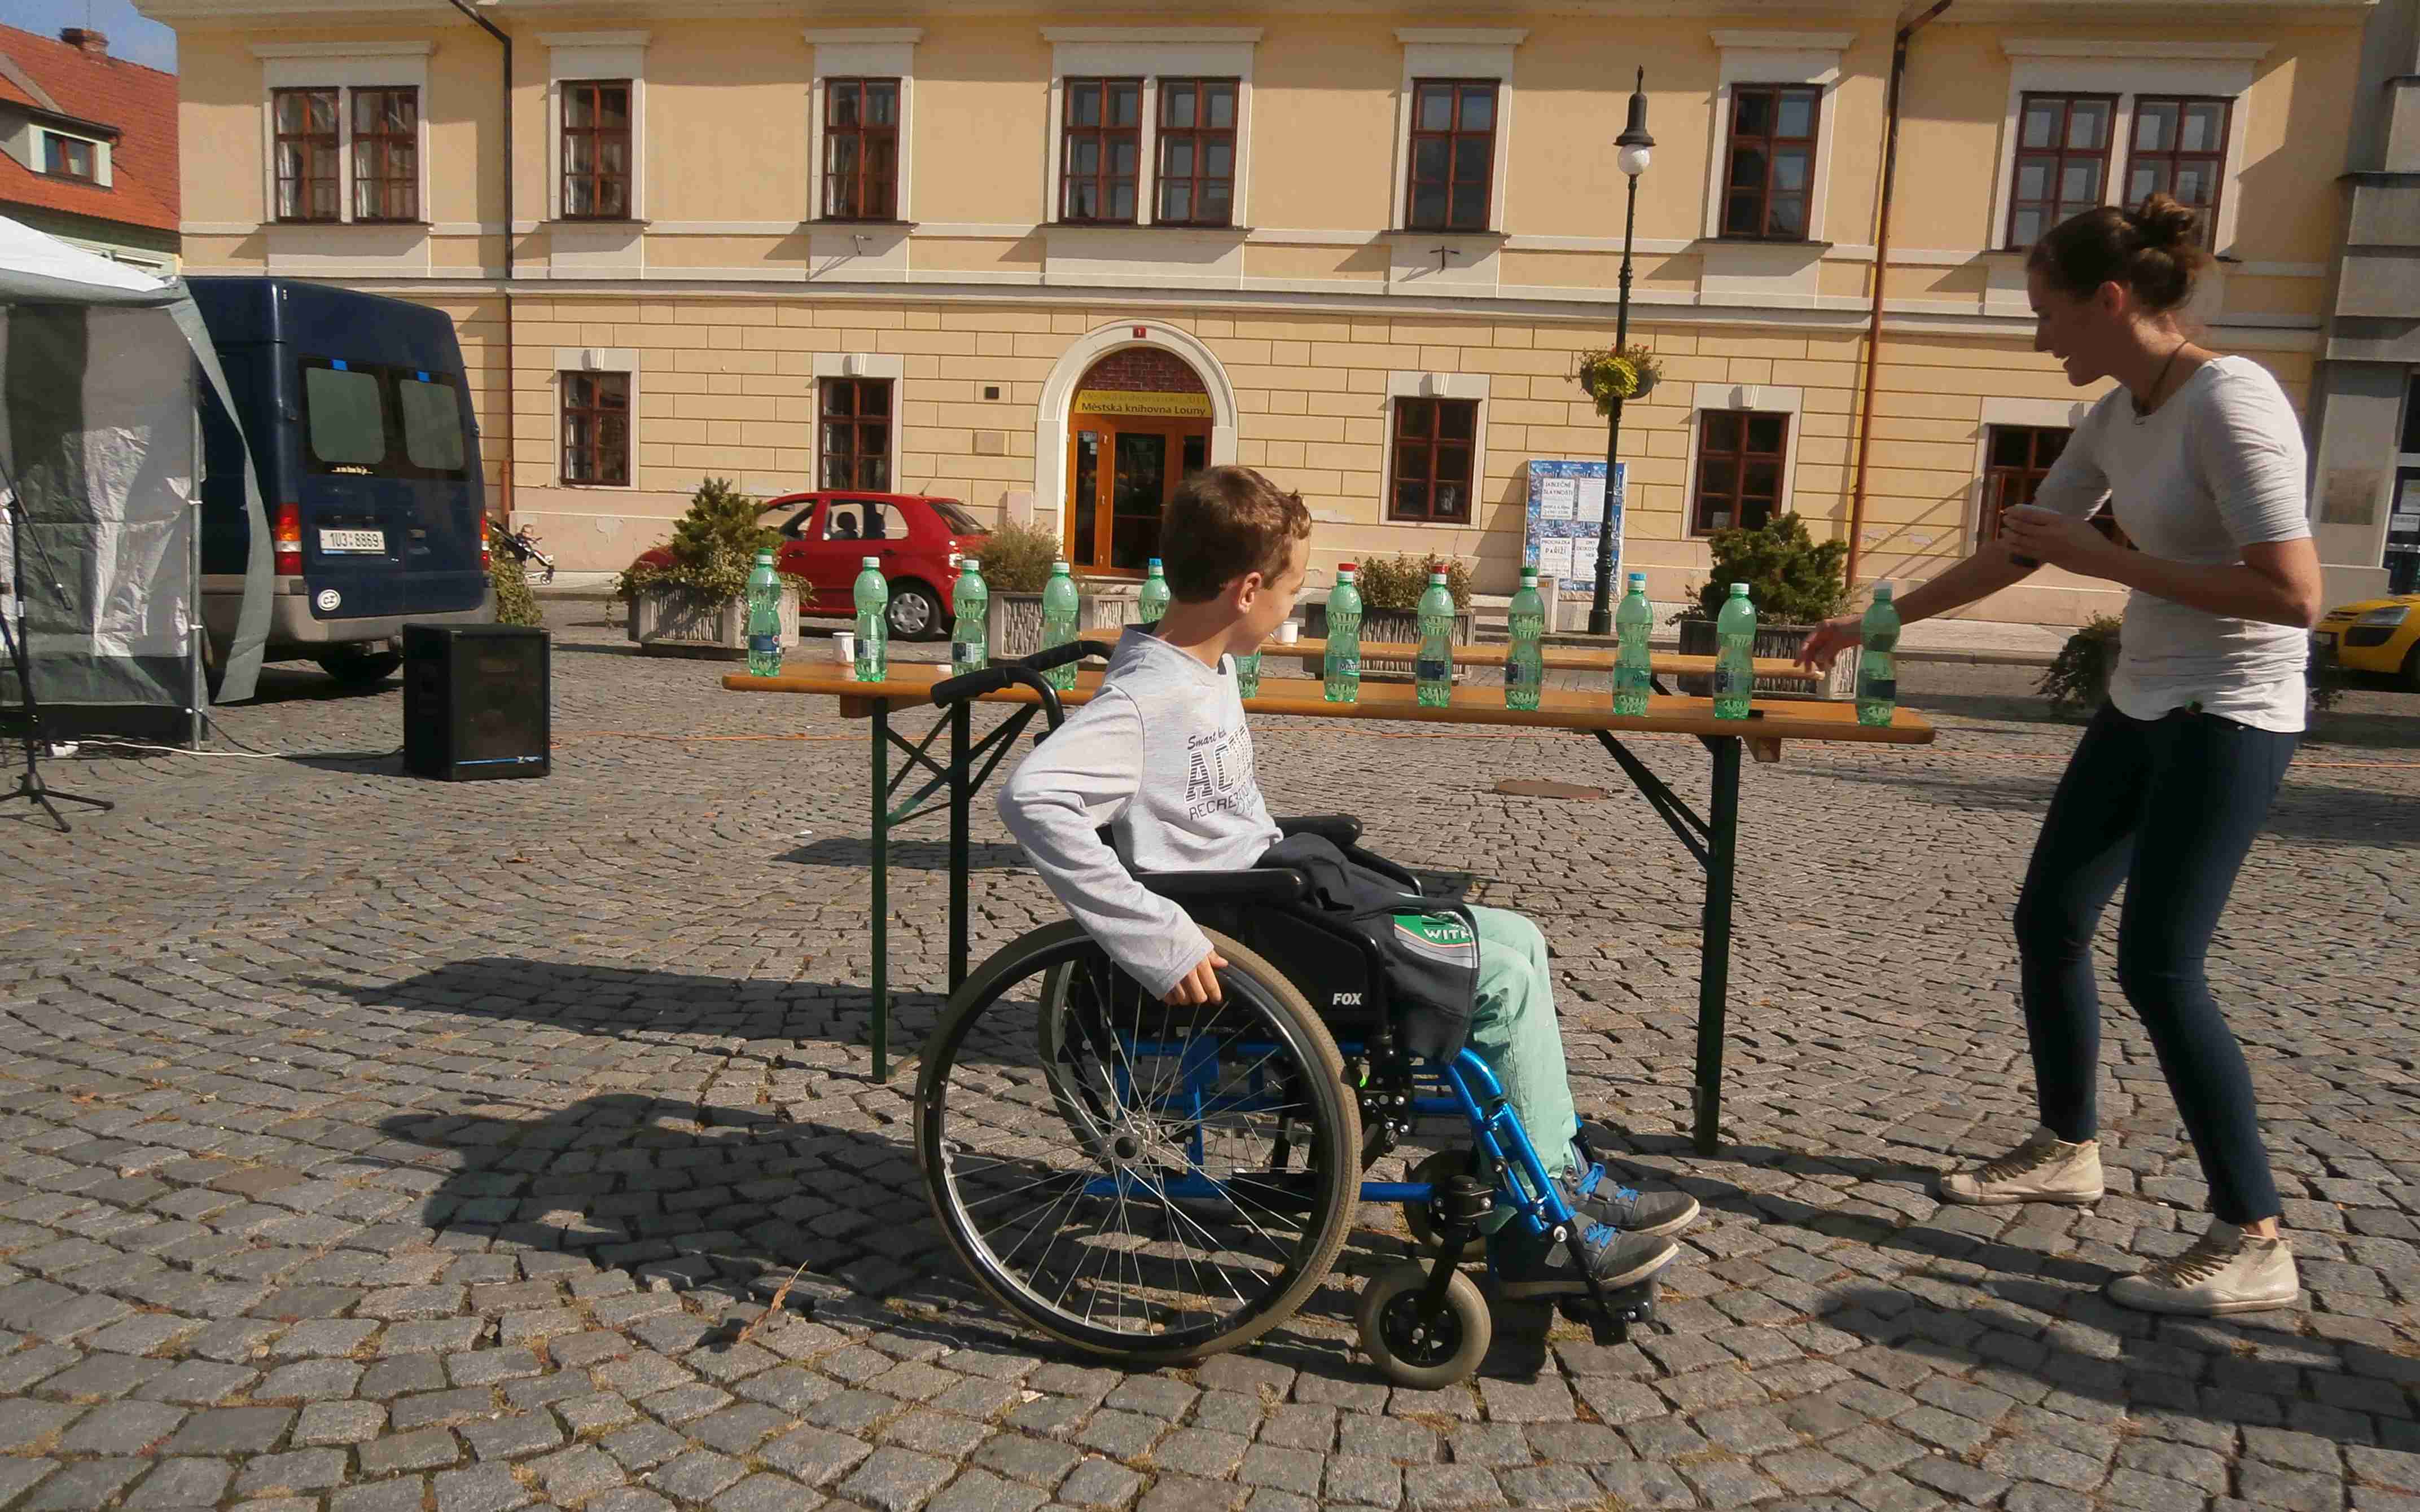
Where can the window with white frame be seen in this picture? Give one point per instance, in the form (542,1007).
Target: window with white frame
(596,416)
(2093,123)
(1454,127)
(1150,125)
(859,112)
(595,125)
(344,131)
(1770,153)
(65,155)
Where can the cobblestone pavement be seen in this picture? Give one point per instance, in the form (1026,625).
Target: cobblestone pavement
(374,1144)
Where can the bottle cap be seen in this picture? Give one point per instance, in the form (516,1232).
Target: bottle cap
(1738,590)
(1528,575)
(1638,580)
(974,565)
(875,562)
(1058,569)
(1883,590)
(1154,563)
(765,556)
(1437,579)
(1345,572)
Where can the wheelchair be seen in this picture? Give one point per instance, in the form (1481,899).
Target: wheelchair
(1154,1183)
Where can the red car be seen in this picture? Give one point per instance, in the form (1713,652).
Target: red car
(827,534)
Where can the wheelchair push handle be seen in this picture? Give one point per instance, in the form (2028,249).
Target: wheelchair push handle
(1025,672)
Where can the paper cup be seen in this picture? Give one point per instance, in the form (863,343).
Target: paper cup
(1289,632)
(845,645)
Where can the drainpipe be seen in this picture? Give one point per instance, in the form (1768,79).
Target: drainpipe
(505,471)
(1882,267)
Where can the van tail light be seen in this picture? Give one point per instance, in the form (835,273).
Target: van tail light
(288,538)
(487,543)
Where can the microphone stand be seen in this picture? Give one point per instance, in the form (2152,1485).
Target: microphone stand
(18,640)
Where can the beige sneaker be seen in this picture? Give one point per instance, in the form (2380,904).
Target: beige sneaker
(2226,1272)
(2045,1168)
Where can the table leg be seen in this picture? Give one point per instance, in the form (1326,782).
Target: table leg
(1714,949)
(962,792)
(880,722)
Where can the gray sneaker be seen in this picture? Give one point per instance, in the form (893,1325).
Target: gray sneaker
(1597,1198)
(2227,1271)
(2045,1168)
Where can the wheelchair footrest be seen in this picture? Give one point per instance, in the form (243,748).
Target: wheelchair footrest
(1623,1307)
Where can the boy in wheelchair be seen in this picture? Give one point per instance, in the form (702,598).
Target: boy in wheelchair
(1163,757)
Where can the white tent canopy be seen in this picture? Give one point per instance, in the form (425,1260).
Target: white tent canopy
(98,446)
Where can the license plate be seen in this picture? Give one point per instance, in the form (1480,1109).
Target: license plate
(352,540)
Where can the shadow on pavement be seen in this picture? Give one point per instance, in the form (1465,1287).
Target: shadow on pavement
(2310,809)
(906,854)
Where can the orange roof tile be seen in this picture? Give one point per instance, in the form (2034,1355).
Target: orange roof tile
(140,102)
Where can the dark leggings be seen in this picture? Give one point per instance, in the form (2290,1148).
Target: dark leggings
(2168,806)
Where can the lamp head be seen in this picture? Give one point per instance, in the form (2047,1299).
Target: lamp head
(1634,143)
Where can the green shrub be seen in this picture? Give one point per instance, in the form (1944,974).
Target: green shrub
(713,547)
(1398,582)
(2077,679)
(514,603)
(1793,578)
(1017,558)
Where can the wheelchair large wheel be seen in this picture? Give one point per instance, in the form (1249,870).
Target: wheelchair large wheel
(1173,1183)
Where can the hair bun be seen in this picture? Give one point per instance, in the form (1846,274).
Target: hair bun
(2165,223)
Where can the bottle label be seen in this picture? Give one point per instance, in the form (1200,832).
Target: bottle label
(1433,669)
(1883,644)
(1519,674)
(967,656)
(1883,688)
(1340,665)
(765,646)
(1730,682)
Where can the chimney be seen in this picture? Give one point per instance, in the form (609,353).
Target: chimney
(86,39)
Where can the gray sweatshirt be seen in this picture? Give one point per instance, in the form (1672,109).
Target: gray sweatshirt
(1163,757)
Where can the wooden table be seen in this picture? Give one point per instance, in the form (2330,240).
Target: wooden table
(1713,839)
(1557,659)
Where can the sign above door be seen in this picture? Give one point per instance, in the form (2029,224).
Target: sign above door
(1154,406)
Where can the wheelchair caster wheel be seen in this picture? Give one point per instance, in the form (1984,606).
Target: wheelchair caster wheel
(1435,1171)
(1421,1354)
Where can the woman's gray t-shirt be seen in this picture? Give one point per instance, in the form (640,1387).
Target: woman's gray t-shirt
(2217,468)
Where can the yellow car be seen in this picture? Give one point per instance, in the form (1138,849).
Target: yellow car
(2377,635)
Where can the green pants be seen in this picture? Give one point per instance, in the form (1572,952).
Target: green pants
(1515,1031)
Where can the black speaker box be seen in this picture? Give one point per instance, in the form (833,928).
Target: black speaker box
(476,701)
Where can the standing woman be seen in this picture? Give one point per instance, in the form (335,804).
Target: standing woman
(2201,458)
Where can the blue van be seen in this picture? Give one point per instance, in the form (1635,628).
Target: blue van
(360,423)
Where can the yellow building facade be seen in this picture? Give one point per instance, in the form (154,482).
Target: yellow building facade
(1043,262)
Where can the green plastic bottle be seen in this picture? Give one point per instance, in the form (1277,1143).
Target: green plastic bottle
(1059,622)
(1634,665)
(1432,668)
(1248,675)
(1734,655)
(1877,677)
(1155,594)
(1343,660)
(1525,665)
(873,622)
(763,617)
(970,634)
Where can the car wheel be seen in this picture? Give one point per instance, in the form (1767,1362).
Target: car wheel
(352,664)
(915,612)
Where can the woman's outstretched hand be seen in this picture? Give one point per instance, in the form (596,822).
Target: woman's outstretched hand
(1830,639)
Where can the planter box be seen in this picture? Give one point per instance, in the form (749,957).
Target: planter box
(1013,622)
(1786,641)
(1383,625)
(678,622)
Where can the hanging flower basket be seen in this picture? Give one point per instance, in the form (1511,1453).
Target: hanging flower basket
(1610,374)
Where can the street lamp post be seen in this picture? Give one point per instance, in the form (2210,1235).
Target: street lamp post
(1636,146)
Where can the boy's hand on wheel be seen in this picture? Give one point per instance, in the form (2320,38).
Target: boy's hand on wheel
(1198,985)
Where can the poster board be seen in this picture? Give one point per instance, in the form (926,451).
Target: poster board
(1569,505)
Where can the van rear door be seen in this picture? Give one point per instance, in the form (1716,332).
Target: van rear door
(390,495)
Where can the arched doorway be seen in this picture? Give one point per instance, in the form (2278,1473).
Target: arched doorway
(1140,420)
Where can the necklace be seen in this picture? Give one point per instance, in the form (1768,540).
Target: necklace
(2142,413)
